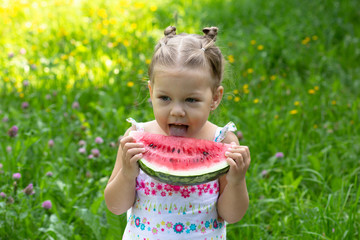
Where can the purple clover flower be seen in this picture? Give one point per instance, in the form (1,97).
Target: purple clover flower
(46,204)
(112,144)
(95,152)
(11,55)
(16,176)
(264,173)
(239,135)
(2,194)
(51,143)
(82,150)
(26,83)
(8,149)
(13,131)
(5,119)
(25,105)
(99,140)
(82,143)
(75,105)
(1,166)
(29,190)
(49,174)
(279,155)
(90,156)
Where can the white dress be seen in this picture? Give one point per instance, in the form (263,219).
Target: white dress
(165,212)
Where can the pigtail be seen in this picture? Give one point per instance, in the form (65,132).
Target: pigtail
(170,31)
(210,32)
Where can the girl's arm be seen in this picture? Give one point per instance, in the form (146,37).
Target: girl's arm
(234,199)
(120,191)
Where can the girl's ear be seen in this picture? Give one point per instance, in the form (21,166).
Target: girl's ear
(150,89)
(217,96)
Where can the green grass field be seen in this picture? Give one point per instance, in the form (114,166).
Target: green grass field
(75,70)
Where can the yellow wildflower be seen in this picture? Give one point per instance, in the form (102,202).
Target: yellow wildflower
(316,88)
(140,71)
(112,21)
(148,61)
(315,38)
(273,77)
(153,8)
(296,103)
(305,41)
(250,70)
(293,112)
(102,13)
(311,91)
(262,78)
(229,97)
(231,59)
(236,91)
(246,91)
(315,126)
(236,99)
(253,42)
(333,102)
(21,95)
(139,5)
(6,79)
(256,100)
(105,22)
(104,31)
(133,26)
(276,116)
(246,86)
(126,43)
(260,47)
(130,84)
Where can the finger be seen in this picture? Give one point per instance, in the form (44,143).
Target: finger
(136,158)
(231,163)
(134,151)
(237,158)
(125,140)
(131,145)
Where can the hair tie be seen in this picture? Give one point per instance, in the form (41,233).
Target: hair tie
(203,49)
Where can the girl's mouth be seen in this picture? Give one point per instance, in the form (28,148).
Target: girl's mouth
(178,130)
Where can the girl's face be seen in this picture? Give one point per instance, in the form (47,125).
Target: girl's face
(182,100)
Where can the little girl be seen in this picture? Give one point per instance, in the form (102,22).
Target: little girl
(185,76)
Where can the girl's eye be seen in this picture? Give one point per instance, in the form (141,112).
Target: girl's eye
(191,100)
(164,98)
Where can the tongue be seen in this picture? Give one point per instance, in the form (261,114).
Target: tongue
(178,130)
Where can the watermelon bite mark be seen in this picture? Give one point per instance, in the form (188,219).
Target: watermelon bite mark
(181,161)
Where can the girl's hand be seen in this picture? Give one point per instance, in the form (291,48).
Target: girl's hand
(239,161)
(131,153)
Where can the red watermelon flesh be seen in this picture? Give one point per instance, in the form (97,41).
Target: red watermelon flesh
(180,160)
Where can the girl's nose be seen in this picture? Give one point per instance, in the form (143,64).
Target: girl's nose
(177,111)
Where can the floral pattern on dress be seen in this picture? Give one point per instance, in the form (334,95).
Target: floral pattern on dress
(164,190)
(176,227)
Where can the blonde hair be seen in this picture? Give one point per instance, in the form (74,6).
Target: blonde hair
(189,50)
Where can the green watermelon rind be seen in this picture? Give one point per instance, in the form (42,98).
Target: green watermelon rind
(182,180)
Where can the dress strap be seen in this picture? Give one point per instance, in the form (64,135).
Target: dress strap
(139,126)
(221,132)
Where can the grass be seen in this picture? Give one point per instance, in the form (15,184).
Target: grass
(291,86)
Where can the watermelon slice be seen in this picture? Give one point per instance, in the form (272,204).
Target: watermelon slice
(181,161)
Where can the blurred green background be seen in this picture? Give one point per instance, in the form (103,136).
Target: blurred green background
(75,70)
